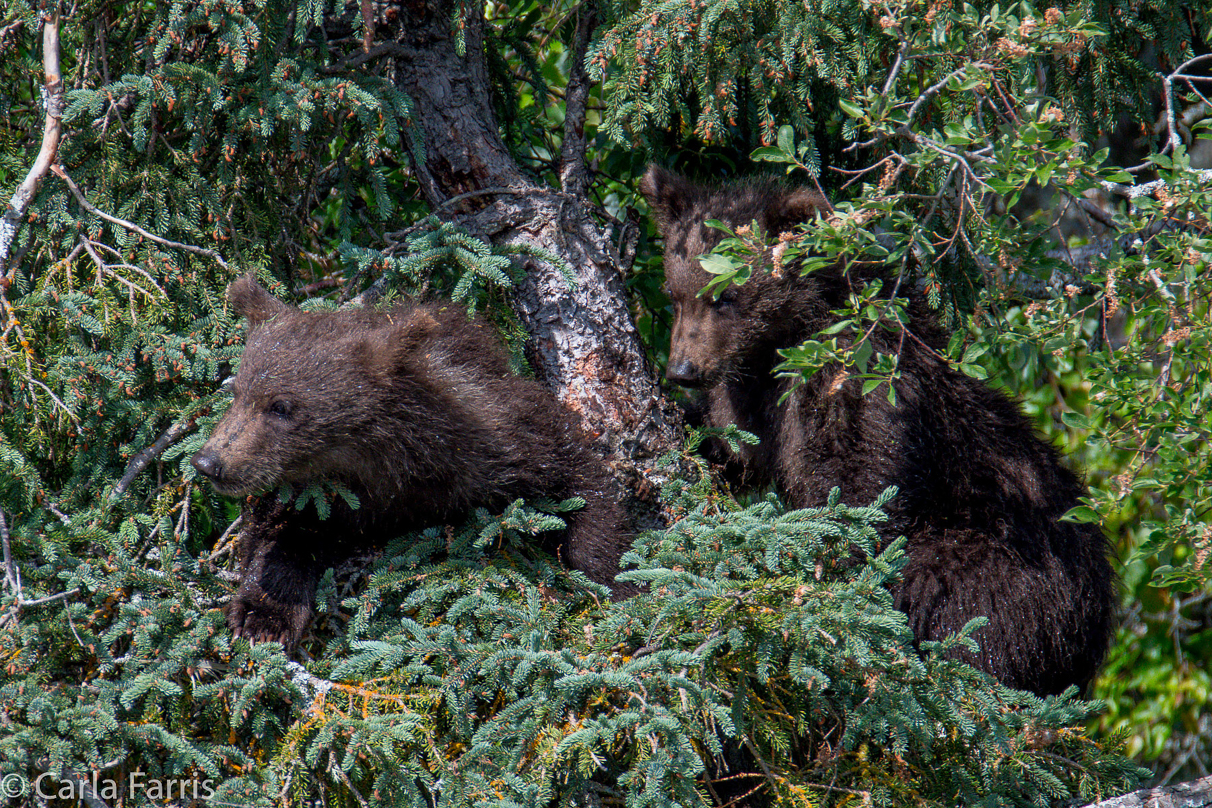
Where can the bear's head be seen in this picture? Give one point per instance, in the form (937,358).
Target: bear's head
(709,334)
(307,398)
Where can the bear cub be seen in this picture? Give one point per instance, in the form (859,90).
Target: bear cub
(980,495)
(415,410)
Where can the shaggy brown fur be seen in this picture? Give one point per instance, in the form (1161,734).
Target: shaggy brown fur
(416,411)
(980,495)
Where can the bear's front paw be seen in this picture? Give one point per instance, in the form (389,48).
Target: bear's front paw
(256,618)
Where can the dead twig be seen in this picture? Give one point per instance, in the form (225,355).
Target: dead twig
(52,133)
(12,578)
(131,226)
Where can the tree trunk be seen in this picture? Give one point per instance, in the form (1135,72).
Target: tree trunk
(1195,794)
(583,342)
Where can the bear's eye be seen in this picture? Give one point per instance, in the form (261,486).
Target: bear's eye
(281,408)
(724,303)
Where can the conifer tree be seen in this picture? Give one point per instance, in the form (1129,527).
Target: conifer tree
(487,153)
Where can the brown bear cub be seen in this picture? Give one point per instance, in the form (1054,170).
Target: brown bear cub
(980,495)
(415,410)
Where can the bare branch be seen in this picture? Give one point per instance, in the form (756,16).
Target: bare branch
(1080,258)
(28,375)
(131,226)
(368,25)
(56,399)
(1171,122)
(144,458)
(334,767)
(394,49)
(1172,138)
(1094,211)
(1149,188)
(901,53)
(574,175)
(48,598)
(222,546)
(52,132)
(12,581)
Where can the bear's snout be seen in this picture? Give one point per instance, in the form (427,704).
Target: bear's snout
(685,373)
(208,464)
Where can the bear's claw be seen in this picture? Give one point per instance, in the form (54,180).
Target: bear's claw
(258,620)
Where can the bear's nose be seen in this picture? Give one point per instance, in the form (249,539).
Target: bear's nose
(208,465)
(684,372)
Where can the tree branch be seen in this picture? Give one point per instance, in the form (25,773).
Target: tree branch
(131,226)
(1133,191)
(1195,794)
(394,49)
(144,458)
(1081,257)
(904,129)
(1171,122)
(12,580)
(52,132)
(895,72)
(1172,137)
(574,174)
(583,343)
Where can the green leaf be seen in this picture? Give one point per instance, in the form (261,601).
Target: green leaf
(787,140)
(862,354)
(850,108)
(1075,420)
(1082,513)
(772,154)
(974,352)
(717,264)
(836,328)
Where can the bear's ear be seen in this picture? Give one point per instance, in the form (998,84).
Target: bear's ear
(250,300)
(669,195)
(415,330)
(795,207)
(391,349)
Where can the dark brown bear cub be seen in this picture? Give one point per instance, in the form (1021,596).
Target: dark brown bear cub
(415,410)
(980,496)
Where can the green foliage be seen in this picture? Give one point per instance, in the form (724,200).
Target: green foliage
(460,668)
(439,258)
(952,141)
(1156,682)
(468,672)
(966,137)
(711,67)
(723,69)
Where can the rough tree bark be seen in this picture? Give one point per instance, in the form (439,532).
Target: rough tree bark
(584,344)
(1195,794)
